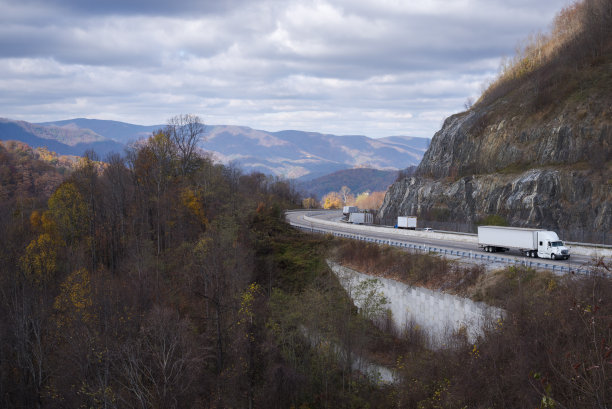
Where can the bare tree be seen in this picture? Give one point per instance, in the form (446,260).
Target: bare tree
(344,193)
(158,367)
(597,20)
(185,131)
(469,102)
(116,185)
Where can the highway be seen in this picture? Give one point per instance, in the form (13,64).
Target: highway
(444,242)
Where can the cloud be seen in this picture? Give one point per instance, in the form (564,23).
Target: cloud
(345,66)
(80,8)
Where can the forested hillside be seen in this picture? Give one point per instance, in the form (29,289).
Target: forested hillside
(164,280)
(128,285)
(28,176)
(359,180)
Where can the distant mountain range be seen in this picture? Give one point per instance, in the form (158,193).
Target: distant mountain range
(290,154)
(64,140)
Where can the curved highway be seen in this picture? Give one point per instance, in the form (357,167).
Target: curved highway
(329,221)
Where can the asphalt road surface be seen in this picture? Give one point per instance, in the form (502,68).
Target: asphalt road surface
(297,218)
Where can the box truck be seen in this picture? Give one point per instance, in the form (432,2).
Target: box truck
(407,222)
(530,242)
(361,218)
(349,209)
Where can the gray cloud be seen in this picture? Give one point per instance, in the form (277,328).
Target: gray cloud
(137,7)
(339,66)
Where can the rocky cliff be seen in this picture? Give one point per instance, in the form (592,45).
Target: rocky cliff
(536,152)
(557,199)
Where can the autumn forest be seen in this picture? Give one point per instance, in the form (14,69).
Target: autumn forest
(132,283)
(158,278)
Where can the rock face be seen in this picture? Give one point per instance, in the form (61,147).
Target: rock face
(559,200)
(484,140)
(546,167)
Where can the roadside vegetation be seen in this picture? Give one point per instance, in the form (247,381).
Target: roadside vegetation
(344,197)
(552,349)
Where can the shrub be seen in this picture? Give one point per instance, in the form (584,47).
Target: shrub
(493,220)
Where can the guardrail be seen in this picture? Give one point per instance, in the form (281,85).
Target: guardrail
(459,253)
(571,243)
(606,248)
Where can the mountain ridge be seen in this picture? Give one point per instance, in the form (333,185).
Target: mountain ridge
(290,153)
(357,180)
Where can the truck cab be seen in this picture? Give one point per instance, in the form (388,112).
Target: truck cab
(549,246)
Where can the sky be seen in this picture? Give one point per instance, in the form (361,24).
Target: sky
(367,67)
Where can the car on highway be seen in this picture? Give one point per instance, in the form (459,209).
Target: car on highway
(427,229)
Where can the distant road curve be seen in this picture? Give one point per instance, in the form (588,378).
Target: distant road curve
(449,243)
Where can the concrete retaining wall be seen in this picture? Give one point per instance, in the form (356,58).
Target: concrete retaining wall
(591,251)
(438,314)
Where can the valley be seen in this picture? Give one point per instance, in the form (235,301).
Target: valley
(195,265)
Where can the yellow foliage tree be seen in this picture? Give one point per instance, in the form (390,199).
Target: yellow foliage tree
(47,224)
(69,212)
(246,312)
(75,301)
(361,198)
(193,202)
(332,200)
(43,223)
(368,200)
(46,155)
(35,220)
(39,262)
(309,203)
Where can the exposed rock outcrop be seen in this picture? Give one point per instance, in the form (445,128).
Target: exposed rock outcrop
(535,165)
(469,143)
(549,198)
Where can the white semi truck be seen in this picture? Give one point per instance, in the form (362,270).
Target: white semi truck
(407,222)
(530,242)
(361,218)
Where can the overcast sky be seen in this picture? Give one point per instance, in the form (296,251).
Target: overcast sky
(370,67)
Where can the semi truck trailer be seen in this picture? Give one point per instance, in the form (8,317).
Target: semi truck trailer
(407,222)
(361,218)
(346,210)
(530,242)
